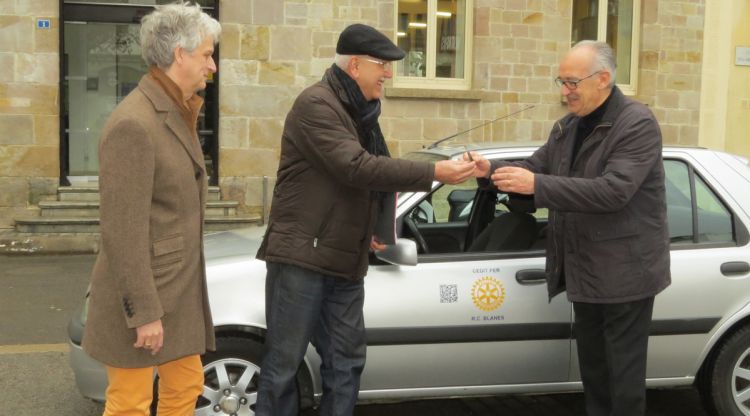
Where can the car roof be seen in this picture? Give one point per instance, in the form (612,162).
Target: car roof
(450,150)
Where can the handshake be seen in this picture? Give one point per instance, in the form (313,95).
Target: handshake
(472,164)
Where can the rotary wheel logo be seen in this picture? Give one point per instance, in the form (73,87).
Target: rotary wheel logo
(488,294)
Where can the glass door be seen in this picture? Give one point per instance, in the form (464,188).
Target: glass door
(102,65)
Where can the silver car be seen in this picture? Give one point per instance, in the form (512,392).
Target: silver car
(458,307)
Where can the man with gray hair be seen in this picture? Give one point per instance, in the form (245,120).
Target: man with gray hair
(336,180)
(148,304)
(601,176)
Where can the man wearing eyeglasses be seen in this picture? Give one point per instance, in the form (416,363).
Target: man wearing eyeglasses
(601,176)
(336,180)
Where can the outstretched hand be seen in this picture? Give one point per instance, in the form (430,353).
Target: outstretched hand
(481,165)
(453,171)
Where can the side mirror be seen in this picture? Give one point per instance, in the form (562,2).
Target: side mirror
(403,253)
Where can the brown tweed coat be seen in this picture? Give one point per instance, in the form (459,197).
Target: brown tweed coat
(150,266)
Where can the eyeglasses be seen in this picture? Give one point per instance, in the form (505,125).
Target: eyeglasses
(572,84)
(387,65)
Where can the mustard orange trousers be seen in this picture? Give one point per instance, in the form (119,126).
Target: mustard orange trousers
(130,390)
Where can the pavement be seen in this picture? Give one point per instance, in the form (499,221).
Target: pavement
(39,294)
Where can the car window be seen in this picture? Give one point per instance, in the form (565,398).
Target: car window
(689,197)
(714,219)
(453,202)
(446,221)
(438,223)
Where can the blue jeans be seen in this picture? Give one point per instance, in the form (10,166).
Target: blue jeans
(304,306)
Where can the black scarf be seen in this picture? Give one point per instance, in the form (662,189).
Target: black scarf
(364,113)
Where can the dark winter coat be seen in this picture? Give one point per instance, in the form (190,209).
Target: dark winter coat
(608,240)
(323,210)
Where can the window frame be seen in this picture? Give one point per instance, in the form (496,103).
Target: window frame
(430,81)
(603,9)
(739,232)
(102,11)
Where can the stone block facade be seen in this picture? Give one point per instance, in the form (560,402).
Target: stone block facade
(271,50)
(29,107)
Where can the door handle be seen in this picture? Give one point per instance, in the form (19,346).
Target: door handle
(734,267)
(531,277)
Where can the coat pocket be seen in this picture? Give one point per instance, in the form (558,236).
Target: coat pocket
(167,251)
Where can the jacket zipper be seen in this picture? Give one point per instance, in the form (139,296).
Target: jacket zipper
(326,218)
(322,227)
(554,240)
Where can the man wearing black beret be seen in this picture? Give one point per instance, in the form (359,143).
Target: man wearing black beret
(336,179)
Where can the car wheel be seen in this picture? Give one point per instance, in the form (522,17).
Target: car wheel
(231,375)
(726,386)
(230,385)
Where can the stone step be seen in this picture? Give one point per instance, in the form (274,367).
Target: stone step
(12,242)
(90,209)
(22,243)
(52,225)
(91,193)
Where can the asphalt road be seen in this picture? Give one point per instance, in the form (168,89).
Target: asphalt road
(39,294)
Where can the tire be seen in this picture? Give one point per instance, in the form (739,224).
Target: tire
(235,366)
(231,378)
(725,386)
(234,369)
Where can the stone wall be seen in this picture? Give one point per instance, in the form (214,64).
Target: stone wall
(29,107)
(670,62)
(517,45)
(274,49)
(271,50)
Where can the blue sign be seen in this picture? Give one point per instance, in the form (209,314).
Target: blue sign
(43,23)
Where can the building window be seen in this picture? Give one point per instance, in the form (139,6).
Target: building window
(615,22)
(436,36)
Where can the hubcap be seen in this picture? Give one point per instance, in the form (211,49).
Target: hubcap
(230,388)
(230,404)
(741,383)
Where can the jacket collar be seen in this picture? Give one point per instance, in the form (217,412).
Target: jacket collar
(174,118)
(614,107)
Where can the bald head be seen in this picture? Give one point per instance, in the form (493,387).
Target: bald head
(601,54)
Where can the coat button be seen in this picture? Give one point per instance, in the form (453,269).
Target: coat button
(197,175)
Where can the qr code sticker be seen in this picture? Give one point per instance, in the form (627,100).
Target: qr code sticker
(448,293)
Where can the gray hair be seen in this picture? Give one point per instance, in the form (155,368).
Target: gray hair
(604,57)
(342,61)
(172,25)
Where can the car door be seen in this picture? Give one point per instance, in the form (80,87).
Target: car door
(706,227)
(462,319)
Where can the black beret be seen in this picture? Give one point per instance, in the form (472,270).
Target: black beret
(359,39)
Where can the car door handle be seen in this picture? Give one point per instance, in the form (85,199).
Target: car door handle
(531,277)
(734,267)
